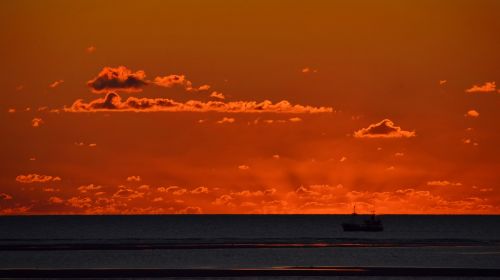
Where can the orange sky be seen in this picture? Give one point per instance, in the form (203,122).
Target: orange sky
(249,107)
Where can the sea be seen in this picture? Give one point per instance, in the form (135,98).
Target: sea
(248,243)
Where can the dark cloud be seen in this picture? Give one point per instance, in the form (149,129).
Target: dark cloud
(118,79)
(383,129)
(113,102)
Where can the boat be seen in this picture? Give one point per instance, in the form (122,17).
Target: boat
(373,223)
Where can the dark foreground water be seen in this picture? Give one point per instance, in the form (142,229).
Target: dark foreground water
(246,242)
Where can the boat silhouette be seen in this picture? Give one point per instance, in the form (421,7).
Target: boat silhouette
(373,223)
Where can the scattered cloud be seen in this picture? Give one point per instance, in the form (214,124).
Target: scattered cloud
(443,183)
(442,82)
(134,178)
(113,102)
(243,167)
(118,79)
(178,80)
(200,190)
(218,95)
(127,193)
(295,119)
(342,159)
(226,120)
(33,178)
(79,202)
(306,70)
(56,200)
(36,122)
(56,83)
(470,141)
(4,196)
(383,129)
(88,188)
(11,110)
(485,88)
(191,210)
(399,154)
(223,200)
(472,114)
(90,49)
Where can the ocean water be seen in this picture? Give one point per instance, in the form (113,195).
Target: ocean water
(246,242)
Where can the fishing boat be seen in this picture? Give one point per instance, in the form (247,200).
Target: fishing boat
(373,223)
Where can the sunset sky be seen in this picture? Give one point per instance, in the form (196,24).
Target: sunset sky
(136,107)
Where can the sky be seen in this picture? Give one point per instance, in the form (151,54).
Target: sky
(249,107)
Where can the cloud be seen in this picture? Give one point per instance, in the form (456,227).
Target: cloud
(167,189)
(383,129)
(295,119)
(90,49)
(472,114)
(226,120)
(191,210)
(243,167)
(15,210)
(79,202)
(487,87)
(36,122)
(11,110)
(55,200)
(56,83)
(180,80)
(32,178)
(4,196)
(222,200)
(127,193)
(218,95)
(250,193)
(442,82)
(443,183)
(88,188)
(306,70)
(113,102)
(118,79)
(200,190)
(134,178)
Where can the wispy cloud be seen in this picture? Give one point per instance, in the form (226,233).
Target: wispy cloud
(32,178)
(113,102)
(485,88)
(180,80)
(56,83)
